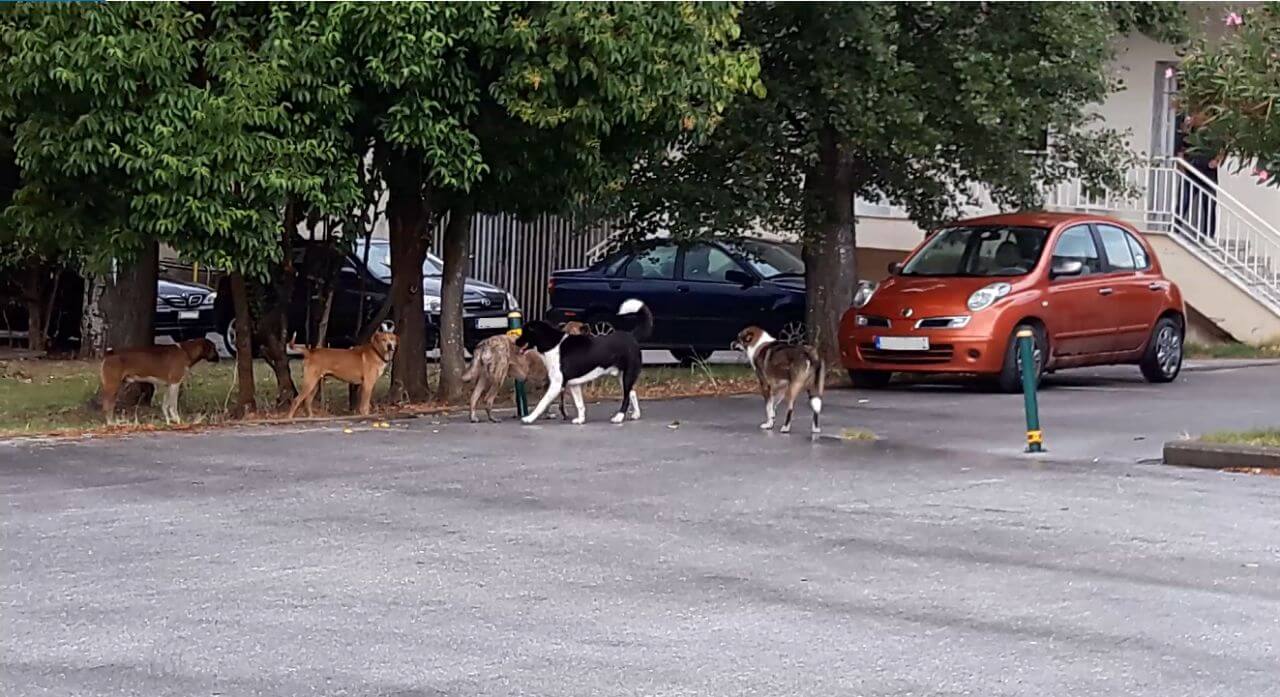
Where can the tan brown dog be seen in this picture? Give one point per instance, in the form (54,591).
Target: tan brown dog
(162,366)
(361,365)
(497,357)
(783,369)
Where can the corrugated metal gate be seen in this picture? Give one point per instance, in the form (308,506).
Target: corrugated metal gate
(519,256)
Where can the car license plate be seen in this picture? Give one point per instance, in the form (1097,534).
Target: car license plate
(902,343)
(189,314)
(491,323)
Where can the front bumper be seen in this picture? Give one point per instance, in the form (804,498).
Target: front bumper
(180,325)
(948,352)
(475,327)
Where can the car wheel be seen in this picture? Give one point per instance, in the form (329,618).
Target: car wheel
(1010,378)
(690,356)
(1163,359)
(792,332)
(229,337)
(599,327)
(870,379)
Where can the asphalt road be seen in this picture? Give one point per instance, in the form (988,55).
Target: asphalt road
(655,558)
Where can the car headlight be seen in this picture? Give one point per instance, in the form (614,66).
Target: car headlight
(983,297)
(431,303)
(512,303)
(860,320)
(866,289)
(210,299)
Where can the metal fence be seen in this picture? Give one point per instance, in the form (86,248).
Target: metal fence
(519,256)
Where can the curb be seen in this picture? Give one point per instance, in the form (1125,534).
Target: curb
(1210,365)
(1218,456)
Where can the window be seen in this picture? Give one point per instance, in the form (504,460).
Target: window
(1116,243)
(702,262)
(982,250)
(655,263)
(1140,259)
(1077,244)
(768,259)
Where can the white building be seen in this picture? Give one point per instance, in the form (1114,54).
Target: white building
(1231,281)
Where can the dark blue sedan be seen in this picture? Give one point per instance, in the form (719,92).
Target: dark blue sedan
(701,294)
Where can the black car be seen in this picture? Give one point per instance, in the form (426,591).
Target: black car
(485,307)
(701,294)
(183,311)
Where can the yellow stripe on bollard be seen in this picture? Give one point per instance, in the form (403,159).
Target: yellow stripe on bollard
(1035,437)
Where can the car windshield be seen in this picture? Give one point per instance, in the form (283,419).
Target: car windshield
(979,250)
(380,261)
(769,260)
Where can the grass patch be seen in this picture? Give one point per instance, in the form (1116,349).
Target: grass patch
(856,434)
(1268,438)
(52,396)
(1270,349)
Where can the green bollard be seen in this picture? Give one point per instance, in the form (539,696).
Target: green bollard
(1026,342)
(514,322)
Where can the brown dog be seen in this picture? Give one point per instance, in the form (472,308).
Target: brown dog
(361,365)
(783,369)
(162,366)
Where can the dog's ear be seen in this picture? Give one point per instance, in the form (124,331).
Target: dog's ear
(387,327)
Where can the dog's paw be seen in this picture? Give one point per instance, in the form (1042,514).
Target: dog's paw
(635,416)
(494,420)
(578,421)
(617,418)
(475,419)
(766,426)
(528,419)
(785,429)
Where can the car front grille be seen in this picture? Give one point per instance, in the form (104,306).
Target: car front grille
(937,353)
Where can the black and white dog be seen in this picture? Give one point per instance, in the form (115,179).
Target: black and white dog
(576,359)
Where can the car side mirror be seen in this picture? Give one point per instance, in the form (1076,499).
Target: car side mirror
(742,278)
(1070,267)
(349,271)
(895,268)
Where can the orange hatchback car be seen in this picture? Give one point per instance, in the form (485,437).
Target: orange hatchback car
(1088,287)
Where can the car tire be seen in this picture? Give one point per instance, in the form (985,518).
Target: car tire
(690,356)
(1162,361)
(228,335)
(870,379)
(1010,377)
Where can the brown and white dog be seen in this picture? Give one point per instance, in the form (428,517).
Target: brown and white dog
(162,366)
(783,370)
(360,365)
(497,357)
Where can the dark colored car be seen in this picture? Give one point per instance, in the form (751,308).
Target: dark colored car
(701,294)
(485,307)
(183,311)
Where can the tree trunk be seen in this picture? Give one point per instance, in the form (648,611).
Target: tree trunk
(245,400)
(831,273)
(273,327)
(35,292)
(457,246)
(119,313)
(407,214)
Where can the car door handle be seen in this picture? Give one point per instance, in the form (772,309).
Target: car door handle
(683,289)
(1105,291)
(1155,286)
(615,285)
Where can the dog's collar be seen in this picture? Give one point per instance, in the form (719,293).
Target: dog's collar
(379,354)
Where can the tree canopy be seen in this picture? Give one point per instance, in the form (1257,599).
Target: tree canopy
(1234,85)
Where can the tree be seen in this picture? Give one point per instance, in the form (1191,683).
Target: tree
(1233,84)
(918,103)
(566,97)
(159,123)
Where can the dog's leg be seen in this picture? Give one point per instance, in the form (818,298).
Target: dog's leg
(366,395)
(554,387)
(109,401)
(171,401)
(309,383)
(771,399)
(793,390)
(629,378)
(815,403)
(576,391)
(476,392)
(635,406)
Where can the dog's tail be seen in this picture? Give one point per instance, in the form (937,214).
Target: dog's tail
(819,378)
(480,360)
(294,347)
(635,317)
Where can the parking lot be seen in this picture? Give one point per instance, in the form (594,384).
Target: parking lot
(685,554)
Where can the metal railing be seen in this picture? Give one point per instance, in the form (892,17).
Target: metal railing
(1175,198)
